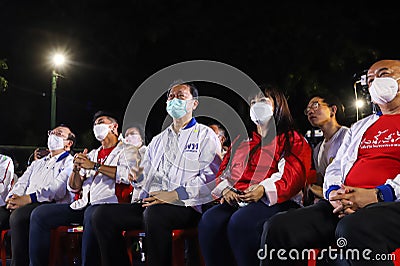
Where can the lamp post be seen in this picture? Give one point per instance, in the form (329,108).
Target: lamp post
(58,60)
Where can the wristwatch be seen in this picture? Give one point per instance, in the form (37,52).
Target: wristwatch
(96,166)
(379,195)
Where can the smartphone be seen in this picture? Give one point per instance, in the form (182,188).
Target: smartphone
(237,191)
(42,152)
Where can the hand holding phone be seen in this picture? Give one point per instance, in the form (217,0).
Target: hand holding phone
(237,191)
(40,153)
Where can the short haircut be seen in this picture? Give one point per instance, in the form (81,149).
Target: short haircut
(332,100)
(107,114)
(192,87)
(71,135)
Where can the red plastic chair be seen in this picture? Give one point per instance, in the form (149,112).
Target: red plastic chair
(3,247)
(72,251)
(178,244)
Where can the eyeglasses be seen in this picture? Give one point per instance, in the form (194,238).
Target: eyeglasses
(132,134)
(57,133)
(313,106)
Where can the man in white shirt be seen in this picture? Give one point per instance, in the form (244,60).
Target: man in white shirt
(324,111)
(44,181)
(96,176)
(179,173)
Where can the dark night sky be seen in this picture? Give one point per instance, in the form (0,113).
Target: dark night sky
(302,46)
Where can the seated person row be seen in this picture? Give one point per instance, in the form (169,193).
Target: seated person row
(177,176)
(101,176)
(360,186)
(258,178)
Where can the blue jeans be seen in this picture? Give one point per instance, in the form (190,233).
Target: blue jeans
(228,234)
(50,216)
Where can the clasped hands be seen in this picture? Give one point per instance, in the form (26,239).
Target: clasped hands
(347,200)
(160,197)
(252,194)
(81,160)
(16,201)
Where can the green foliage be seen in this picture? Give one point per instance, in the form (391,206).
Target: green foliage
(3,81)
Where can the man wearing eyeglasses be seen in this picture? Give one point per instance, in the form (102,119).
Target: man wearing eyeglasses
(44,181)
(323,112)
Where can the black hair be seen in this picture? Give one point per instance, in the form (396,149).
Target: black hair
(332,100)
(140,128)
(222,130)
(193,90)
(71,136)
(107,114)
(283,119)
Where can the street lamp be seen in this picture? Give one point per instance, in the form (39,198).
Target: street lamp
(58,61)
(359,104)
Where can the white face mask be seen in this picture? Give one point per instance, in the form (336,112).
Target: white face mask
(261,113)
(134,140)
(55,142)
(383,90)
(101,131)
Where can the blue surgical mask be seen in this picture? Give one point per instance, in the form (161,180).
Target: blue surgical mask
(176,108)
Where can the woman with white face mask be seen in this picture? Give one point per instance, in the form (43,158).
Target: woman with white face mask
(134,136)
(258,178)
(134,139)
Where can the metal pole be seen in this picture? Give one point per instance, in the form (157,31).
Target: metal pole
(356,96)
(53,99)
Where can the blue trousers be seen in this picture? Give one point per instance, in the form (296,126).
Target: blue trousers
(50,216)
(231,236)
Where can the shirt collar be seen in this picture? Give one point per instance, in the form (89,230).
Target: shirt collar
(191,123)
(58,157)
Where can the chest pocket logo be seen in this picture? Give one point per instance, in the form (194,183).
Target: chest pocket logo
(192,147)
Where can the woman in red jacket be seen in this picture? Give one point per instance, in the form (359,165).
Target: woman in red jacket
(258,178)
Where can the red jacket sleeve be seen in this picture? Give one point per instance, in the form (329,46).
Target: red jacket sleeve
(297,167)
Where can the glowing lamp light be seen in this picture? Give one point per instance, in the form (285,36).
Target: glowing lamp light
(58,59)
(359,103)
